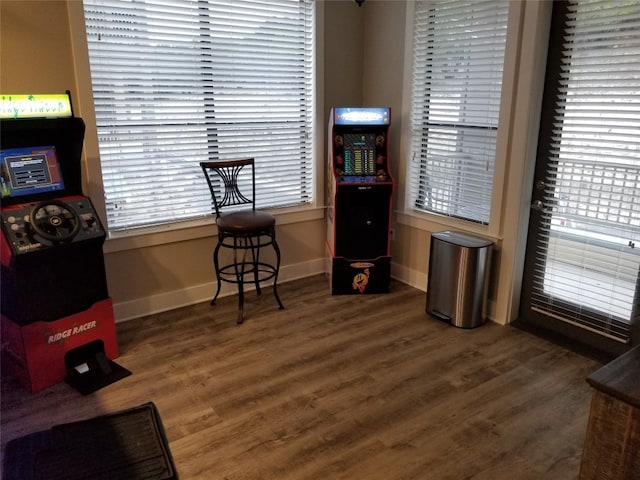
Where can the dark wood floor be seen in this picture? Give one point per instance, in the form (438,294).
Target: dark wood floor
(338,387)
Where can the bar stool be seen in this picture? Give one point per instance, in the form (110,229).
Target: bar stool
(241,229)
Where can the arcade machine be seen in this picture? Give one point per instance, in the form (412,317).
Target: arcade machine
(360,186)
(56,315)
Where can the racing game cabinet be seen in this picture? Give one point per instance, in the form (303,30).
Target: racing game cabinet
(56,313)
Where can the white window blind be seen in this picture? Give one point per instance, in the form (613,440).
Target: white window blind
(458,54)
(589,249)
(176,82)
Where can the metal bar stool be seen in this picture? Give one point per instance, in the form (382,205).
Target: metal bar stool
(244,230)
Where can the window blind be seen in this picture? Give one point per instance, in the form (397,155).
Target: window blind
(458,54)
(587,267)
(176,82)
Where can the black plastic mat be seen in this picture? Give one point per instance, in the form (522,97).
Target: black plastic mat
(89,370)
(127,445)
(95,379)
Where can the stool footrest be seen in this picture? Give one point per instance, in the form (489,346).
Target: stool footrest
(231,273)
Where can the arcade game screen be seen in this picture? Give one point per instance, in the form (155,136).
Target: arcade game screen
(30,170)
(359,153)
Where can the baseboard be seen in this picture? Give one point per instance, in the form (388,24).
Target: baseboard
(162,302)
(409,276)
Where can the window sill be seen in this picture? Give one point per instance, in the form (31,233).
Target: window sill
(430,222)
(190,230)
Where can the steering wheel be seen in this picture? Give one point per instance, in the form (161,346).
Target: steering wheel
(54,221)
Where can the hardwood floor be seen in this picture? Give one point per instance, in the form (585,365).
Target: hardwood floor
(338,387)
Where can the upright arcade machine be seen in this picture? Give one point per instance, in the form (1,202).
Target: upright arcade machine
(56,315)
(360,187)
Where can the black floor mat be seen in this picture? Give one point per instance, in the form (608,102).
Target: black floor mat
(95,379)
(88,368)
(128,445)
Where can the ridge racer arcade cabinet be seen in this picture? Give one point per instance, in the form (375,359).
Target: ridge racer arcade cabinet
(360,187)
(57,317)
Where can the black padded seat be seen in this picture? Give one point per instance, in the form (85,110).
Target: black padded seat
(242,222)
(245,231)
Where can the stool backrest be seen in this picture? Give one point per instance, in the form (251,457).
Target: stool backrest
(230,184)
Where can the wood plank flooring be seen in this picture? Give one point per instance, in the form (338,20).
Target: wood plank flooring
(338,387)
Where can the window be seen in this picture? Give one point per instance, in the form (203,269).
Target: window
(176,82)
(458,54)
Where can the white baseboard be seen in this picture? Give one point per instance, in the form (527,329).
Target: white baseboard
(409,276)
(201,293)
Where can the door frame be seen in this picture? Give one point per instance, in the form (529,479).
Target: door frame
(526,315)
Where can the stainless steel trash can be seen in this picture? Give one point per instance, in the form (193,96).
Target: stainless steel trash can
(458,278)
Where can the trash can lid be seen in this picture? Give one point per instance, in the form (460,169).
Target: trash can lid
(462,239)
